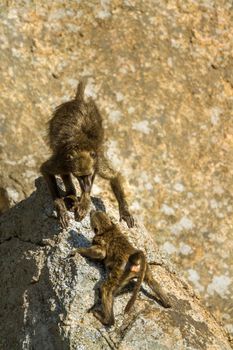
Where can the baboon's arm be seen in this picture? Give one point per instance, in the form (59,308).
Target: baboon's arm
(69,186)
(116,181)
(49,169)
(81,206)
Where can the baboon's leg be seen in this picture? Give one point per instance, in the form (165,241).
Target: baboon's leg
(48,170)
(116,182)
(69,186)
(159,294)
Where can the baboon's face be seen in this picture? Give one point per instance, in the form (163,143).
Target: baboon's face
(100,221)
(84,169)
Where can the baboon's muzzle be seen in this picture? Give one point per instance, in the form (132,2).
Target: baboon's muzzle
(85,182)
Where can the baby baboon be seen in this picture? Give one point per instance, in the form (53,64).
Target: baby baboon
(124,263)
(76,138)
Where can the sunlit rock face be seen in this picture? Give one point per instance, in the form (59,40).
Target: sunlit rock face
(161,73)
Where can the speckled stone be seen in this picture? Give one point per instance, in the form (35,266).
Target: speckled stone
(162,75)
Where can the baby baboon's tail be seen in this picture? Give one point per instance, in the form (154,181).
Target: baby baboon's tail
(80,90)
(134,259)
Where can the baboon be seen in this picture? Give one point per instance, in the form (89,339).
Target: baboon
(76,138)
(124,263)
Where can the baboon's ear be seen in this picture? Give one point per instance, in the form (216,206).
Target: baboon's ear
(93,154)
(71,155)
(96,230)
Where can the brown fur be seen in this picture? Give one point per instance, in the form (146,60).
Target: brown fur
(76,138)
(121,258)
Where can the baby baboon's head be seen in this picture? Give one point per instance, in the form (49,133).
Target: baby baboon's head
(100,222)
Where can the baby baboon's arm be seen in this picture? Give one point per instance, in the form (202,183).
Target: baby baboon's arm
(116,181)
(137,262)
(94,252)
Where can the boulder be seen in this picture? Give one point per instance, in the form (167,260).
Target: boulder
(46,293)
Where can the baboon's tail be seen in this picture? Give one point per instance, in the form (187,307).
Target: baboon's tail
(138,256)
(80,90)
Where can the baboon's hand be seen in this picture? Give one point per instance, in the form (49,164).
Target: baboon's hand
(75,251)
(127,217)
(74,205)
(71,202)
(80,213)
(81,250)
(81,208)
(61,212)
(72,253)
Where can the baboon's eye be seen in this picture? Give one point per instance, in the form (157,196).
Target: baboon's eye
(93,154)
(70,157)
(96,230)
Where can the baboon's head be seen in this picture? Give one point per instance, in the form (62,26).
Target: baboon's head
(83,167)
(100,222)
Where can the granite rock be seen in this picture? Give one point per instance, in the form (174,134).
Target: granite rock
(45,293)
(161,73)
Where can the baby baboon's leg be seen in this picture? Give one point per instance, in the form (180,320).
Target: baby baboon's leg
(116,182)
(107,290)
(125,278)
(48,170)
(159,294)
(106,315)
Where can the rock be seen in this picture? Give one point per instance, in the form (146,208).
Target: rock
(162,75)
(45,293)
(11,191)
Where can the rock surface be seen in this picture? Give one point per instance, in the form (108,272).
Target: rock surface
(162,74)
(45,294)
